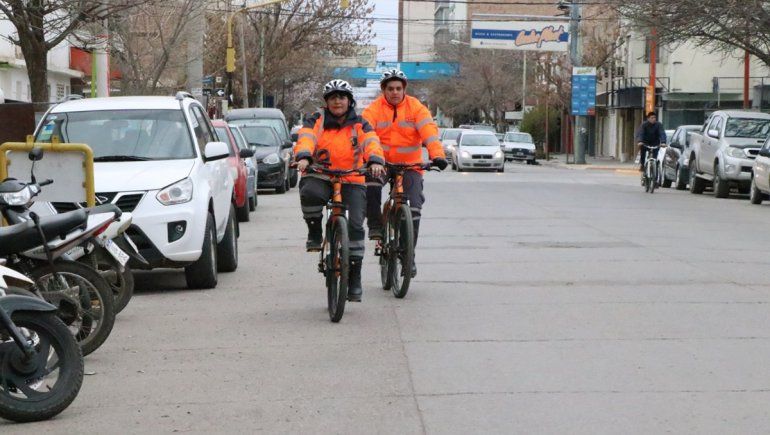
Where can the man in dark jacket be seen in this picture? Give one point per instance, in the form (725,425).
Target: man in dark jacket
(651,133)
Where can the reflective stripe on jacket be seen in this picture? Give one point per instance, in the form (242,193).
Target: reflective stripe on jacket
(404,129)
(349,145)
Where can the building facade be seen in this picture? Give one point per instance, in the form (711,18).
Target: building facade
(13,71)
(691,83)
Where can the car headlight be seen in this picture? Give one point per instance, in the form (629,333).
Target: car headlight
(177,193)
(272,159)
(499,155)
(21,197)
(465,154)
(735,152)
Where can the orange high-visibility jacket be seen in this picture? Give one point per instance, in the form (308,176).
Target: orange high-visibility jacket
(349,144)
(404,129)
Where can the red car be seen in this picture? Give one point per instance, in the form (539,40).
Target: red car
(238,166)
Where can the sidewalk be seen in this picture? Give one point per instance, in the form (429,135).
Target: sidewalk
(593,163)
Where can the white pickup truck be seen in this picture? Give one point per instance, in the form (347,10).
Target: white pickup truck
(722,153)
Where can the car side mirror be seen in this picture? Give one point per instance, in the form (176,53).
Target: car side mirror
(216,151)
(287,144)
(246,153)
(764,152)
(714,133)
(677,145)
(294,137)
(36,154)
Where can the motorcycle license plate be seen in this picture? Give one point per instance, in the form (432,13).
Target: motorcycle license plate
(116,252)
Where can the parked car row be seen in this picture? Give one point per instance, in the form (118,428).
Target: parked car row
(186,180)
(730,151)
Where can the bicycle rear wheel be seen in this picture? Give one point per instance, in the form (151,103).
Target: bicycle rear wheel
(337,268)
(401,252)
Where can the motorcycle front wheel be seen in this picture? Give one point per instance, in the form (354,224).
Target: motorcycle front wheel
(83,297)
(38,388)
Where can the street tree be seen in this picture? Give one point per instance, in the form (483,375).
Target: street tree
(724,25)
(41,25)
(148,43)
(296,41)
(487,83)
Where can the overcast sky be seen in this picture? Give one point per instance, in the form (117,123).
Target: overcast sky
(387,32)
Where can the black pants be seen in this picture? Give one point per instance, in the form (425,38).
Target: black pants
(413,185)
(314,194)
(643,156)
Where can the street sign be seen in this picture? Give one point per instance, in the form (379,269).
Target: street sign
(583,91)
(413,70)
(220,92)
(206,91)
(520,35)
(218,80)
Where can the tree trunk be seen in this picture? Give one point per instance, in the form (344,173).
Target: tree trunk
(36,58)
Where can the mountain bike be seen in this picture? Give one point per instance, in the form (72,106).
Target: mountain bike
(334,261)
(650,174)
(396,249)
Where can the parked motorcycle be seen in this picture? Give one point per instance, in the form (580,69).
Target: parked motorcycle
(82,296)
(41,365)
(103,256)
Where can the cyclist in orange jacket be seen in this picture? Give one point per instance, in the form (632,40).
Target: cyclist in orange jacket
(337,136)
(404,126)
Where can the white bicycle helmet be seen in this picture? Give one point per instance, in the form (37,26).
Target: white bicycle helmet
(338,85)
(393,74)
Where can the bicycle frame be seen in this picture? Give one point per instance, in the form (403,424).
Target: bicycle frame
(335,209)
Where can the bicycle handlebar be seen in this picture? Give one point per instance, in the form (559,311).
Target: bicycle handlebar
(335,172)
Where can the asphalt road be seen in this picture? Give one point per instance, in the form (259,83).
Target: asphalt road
(548,301)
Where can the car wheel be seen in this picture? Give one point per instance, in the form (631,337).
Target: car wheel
(697,184)
(243,212)
(227,249)
(283,187)
(502,169)
(681,183)
(755,195)
(294,178)
(253,203)
(203,273)
(721,187)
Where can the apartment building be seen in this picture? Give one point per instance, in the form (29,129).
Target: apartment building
(14,82)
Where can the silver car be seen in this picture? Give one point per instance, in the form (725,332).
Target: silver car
(519,146)
(478,149)
(449,138)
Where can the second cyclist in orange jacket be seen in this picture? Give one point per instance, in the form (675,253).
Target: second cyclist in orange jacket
(404,126)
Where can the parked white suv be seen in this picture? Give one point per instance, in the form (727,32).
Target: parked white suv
(158,157)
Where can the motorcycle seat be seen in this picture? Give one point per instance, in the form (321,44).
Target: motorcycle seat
(21,237)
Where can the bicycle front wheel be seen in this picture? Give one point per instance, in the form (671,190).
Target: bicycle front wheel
(401,254)
(387,247)
(647,176)
(653,177)
(337,268)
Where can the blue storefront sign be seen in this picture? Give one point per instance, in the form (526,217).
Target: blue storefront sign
(413,70)
(583,91)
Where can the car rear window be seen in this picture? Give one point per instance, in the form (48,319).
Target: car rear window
(260,135)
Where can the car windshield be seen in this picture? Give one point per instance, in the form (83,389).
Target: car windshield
(239,140)
(747,127)
(518,137)
(123,135)
(276,123)
(452,134)
(260,136)
(480,140)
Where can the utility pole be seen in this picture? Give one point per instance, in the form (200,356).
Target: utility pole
(102,64)
(746,77)
(580,136)
(400,30)
(245,87)
(261,65)
(195,51)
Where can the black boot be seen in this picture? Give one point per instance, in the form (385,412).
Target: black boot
(354,280)
(314,235)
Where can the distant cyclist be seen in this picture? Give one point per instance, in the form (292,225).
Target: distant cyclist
(335,135)
(652,134)
(404,126)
